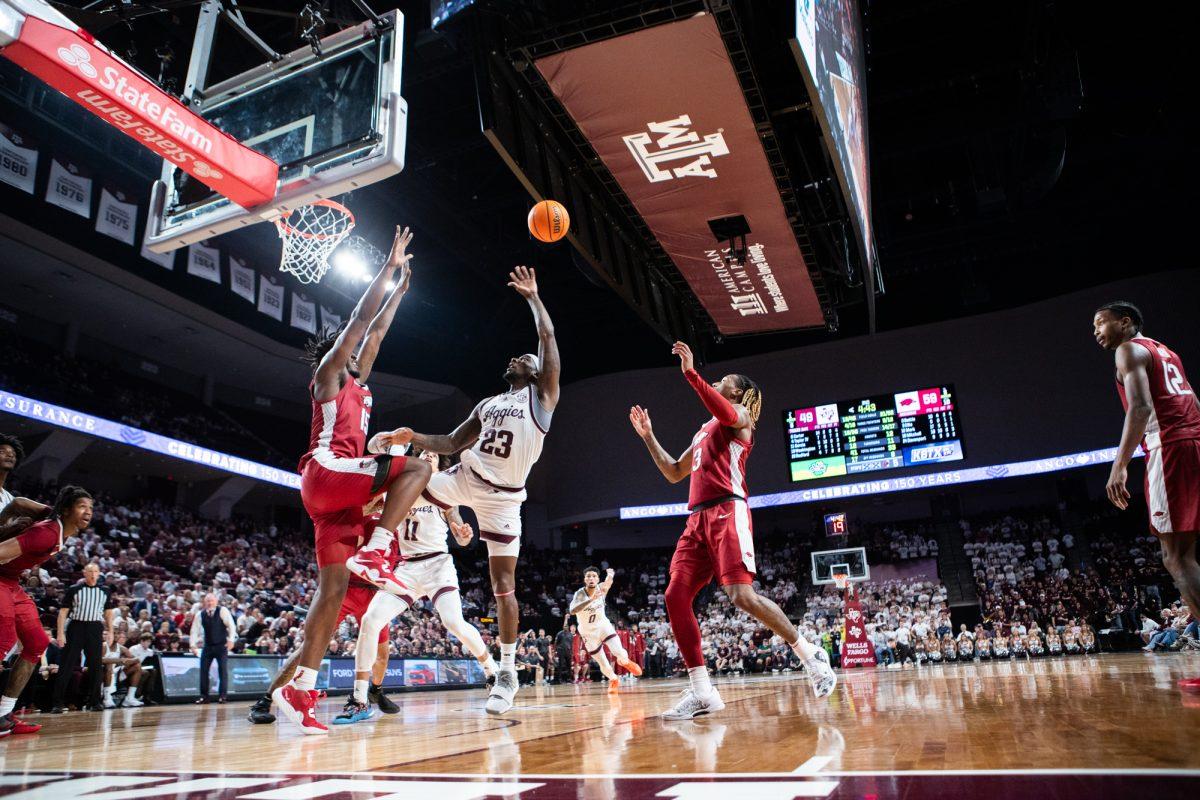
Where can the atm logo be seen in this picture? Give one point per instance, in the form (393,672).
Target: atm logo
(671,149)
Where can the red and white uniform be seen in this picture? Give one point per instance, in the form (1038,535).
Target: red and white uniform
(719,537)
(491,478)
(359,593)
(426,565)
(336,479)
(19,620)
(1171,442)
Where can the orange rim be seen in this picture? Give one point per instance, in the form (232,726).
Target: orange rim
(286,228)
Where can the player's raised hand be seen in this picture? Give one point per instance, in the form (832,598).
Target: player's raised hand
(399,256)
(640,418)
(524,280)
(686,360)
(462,532)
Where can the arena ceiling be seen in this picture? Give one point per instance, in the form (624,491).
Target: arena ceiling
(1019,150)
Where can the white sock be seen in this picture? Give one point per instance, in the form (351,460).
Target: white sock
(489,665)
(305,679)
(7,704)
(701,685)
(360,690)
(381,539)
(508,656)
(803,648)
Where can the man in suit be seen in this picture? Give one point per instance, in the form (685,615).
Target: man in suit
(213,636)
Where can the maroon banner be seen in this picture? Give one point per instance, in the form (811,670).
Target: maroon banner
(664,110)
(109,88)
(857,650)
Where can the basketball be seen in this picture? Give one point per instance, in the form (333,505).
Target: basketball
(549,221)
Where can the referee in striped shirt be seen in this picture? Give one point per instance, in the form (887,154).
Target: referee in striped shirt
(89,608)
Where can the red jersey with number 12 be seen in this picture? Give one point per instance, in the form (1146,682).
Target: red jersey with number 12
(718,464)
(340,425)
(1175,415)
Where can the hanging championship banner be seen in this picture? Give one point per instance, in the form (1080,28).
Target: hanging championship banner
(116,217)
(241,279)
(164,260)
(270,298)
(69,188)
(304,314)
(329,320)
(857,650)
(204,262)
(18,159)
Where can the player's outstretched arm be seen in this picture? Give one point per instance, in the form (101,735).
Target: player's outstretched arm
(360,317)
(382,322)
(673,469)
(444,444)
(1132,361)
(727,413)
(9,550)
(524,280)
(578,603)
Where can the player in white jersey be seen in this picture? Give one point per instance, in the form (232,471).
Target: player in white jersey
(16,513)
(505,434)
(588,607)
(427,568)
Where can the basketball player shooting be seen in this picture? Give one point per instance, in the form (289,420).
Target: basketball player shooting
(507,431)
(588,607)
(1161,414)
(718,540)
(337,479)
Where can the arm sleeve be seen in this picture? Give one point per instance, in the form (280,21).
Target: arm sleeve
(717,405)
(227,615)
(196,632)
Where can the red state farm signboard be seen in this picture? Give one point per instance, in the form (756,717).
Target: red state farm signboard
(71,63)
(663,109)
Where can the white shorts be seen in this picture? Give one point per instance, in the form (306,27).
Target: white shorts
(595,636)
(430,577)
(498,510)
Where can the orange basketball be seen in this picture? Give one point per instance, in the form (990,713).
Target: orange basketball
(549,221)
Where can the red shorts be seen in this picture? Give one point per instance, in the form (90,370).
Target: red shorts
(358,597)
(19,621)
(334,491)
(1173,486)
(718,540)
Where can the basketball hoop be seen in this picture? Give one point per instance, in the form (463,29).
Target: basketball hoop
(310,233)
(841,580)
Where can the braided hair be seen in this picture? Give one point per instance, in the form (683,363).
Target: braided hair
(751,397)
(317,346)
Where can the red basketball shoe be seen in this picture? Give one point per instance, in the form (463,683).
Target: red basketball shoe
(373,567)
(298,705)
(1190,684)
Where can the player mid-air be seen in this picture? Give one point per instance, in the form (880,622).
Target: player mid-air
(597,632)
(1162,415)
(427,568)
(507,430)
(19,619)
(338,478)
(718,540)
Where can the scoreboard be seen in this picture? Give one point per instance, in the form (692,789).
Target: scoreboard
(869,434)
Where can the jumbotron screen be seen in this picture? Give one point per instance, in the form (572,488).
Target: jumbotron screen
(870,434)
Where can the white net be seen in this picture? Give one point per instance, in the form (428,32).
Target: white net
(310,234)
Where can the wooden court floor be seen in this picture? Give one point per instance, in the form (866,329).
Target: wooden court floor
(1119,714)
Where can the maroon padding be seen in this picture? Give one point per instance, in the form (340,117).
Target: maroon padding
(441,592)
(496,486)
(492,536)
(678,137)
(425,493)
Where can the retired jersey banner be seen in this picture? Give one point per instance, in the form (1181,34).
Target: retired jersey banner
(304,314)
(683,147)
(329,320)
(72,62)
(270,298)
(116,217)
(857,650)
(241,278)
(204,262)
(164,260)
(18,159)
(70,187)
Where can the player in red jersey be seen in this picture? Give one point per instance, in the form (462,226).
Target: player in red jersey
(19,619)
(338,477)
(718,540)
(1162,415)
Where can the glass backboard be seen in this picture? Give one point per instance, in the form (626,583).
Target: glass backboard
(333,123)
(853,558)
